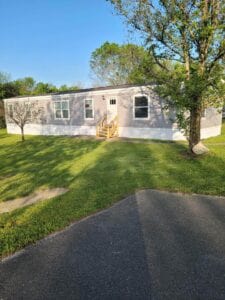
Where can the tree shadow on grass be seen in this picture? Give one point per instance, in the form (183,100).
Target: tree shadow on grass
(163,254)
(4,134)
(97,175)
(39,162)
(103,177)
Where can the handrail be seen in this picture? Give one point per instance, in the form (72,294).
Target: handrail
(100,124)
(111,128)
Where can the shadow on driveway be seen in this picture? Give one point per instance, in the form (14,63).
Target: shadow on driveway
(152,245)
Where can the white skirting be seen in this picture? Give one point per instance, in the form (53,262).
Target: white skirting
(172,134)
(210,131)
(129,132)
(151,133)
(38,129)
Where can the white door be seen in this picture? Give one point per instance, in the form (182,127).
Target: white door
(111,109)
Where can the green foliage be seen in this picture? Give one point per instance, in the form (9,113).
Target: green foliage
(97,174)
(65,88)
(114,64)
(44,88)
(27,86)
(8,90)
(191,35)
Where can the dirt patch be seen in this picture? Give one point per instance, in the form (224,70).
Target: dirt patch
(33,198)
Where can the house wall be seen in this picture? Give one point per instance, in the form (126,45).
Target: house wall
(159,125)
(212,118)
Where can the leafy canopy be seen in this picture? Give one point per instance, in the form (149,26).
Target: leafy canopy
(27,86)
(190,34)
(113,64)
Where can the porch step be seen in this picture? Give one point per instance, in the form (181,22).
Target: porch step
(102,134)
(107,130)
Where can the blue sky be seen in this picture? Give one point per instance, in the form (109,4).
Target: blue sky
(52,40)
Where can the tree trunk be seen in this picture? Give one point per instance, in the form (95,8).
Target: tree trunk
(195,127)
(22,134)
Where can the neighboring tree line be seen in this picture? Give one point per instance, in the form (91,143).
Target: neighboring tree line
(25,87)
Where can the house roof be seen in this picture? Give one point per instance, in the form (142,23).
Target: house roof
(101,88)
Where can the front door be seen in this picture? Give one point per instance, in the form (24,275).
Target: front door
(111,109)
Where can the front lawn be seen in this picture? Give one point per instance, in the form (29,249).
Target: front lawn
(97,174)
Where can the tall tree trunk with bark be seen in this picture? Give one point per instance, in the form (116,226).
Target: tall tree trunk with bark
(195,126)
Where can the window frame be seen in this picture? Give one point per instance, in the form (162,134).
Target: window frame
(60,101)
(93,111)
(113,99)
(148,106)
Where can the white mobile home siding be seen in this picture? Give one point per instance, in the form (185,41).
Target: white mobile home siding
(158,125)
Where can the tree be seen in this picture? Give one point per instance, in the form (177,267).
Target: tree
(191,35)
(25,85)
(7,90)
(114,64)
(22,113)
(44,88)
(65,88)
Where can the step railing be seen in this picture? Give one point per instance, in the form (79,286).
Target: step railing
(110,129)
(100,125)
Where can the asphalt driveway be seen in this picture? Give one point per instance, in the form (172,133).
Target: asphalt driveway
(153,245)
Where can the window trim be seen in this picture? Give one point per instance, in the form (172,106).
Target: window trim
(148,106)
(112,98)
(60,101)
(93,110)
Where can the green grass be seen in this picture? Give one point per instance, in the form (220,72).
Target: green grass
(97,173)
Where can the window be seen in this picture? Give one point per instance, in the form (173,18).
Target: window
(88,105)
(10,110)
(141,109)
(112,102)
(61,109)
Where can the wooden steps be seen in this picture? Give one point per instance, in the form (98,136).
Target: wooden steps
(103,129)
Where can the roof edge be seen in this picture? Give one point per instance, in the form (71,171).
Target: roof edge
(101,88)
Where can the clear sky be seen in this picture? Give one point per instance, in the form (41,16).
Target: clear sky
(52,40)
